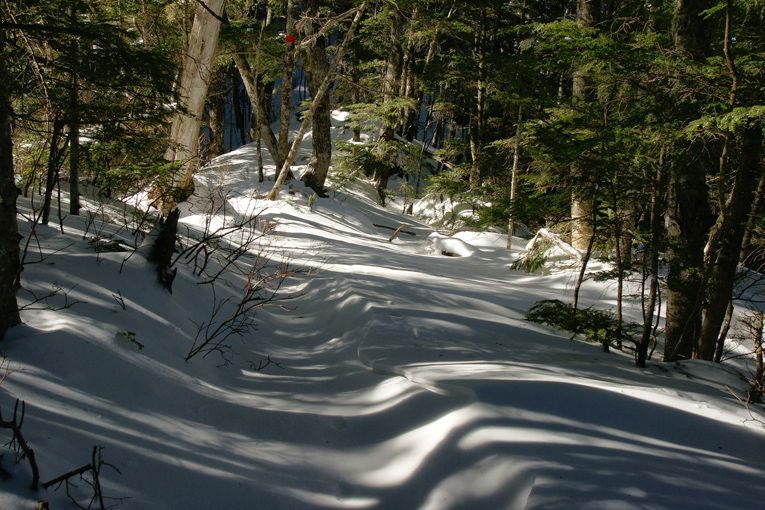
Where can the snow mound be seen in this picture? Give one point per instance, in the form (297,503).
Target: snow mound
(451,246)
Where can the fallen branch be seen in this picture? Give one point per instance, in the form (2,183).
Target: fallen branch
(396,232)
(67,476)
(394,228)
(15,426)
(94,468)
(745,403)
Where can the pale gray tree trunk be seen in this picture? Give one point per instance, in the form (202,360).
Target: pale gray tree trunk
(581,229)
(514,181)
(194,82)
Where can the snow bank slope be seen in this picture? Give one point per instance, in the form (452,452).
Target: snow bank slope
(405,380)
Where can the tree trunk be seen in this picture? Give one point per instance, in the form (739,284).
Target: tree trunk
(731,225)
(288,70)
(657,209)
(759,200)
(194,81)
(9,230)
(52,174)
(285,169)
(239,109)
(257,99)
(316,67)
(759,373)
(720,349)
(581,229)
(686,231)
(74,133)
(216,118)
(513,184)
(390,79)
(687,217)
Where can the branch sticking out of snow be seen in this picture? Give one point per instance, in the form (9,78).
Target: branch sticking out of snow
(557,241)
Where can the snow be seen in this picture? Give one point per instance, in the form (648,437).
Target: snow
(406,379)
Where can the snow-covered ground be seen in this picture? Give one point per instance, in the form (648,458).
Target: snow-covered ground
(403,378)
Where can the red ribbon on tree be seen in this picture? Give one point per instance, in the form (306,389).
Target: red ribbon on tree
(290,39)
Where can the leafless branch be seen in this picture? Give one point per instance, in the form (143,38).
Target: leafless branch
(18,441)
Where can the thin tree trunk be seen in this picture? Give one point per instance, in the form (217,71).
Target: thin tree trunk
(74,133)
(657,208)
(759,373)
(753,215)
(54,156)
(583,270)
(586,257)
(263,117)
(285,170)
(288,70)
(720,349)
(514,181)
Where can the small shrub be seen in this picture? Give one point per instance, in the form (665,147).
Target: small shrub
(534,259)
(596,325)
(130,336)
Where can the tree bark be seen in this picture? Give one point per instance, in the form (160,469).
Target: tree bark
(316,67)
(687,217)
(686,225)
(657,209)
(731,227)
(285,169)
(514,182)
(581,229)
(477,122)
(263,117)
(194,81)
(52,175)
(288,70)
(216,118)
(10,266)
(74,132)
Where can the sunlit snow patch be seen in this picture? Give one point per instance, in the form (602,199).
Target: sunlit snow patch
(451,246)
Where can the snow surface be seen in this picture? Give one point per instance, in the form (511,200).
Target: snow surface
(407,379)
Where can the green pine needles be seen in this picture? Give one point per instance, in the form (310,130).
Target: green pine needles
(596,325)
